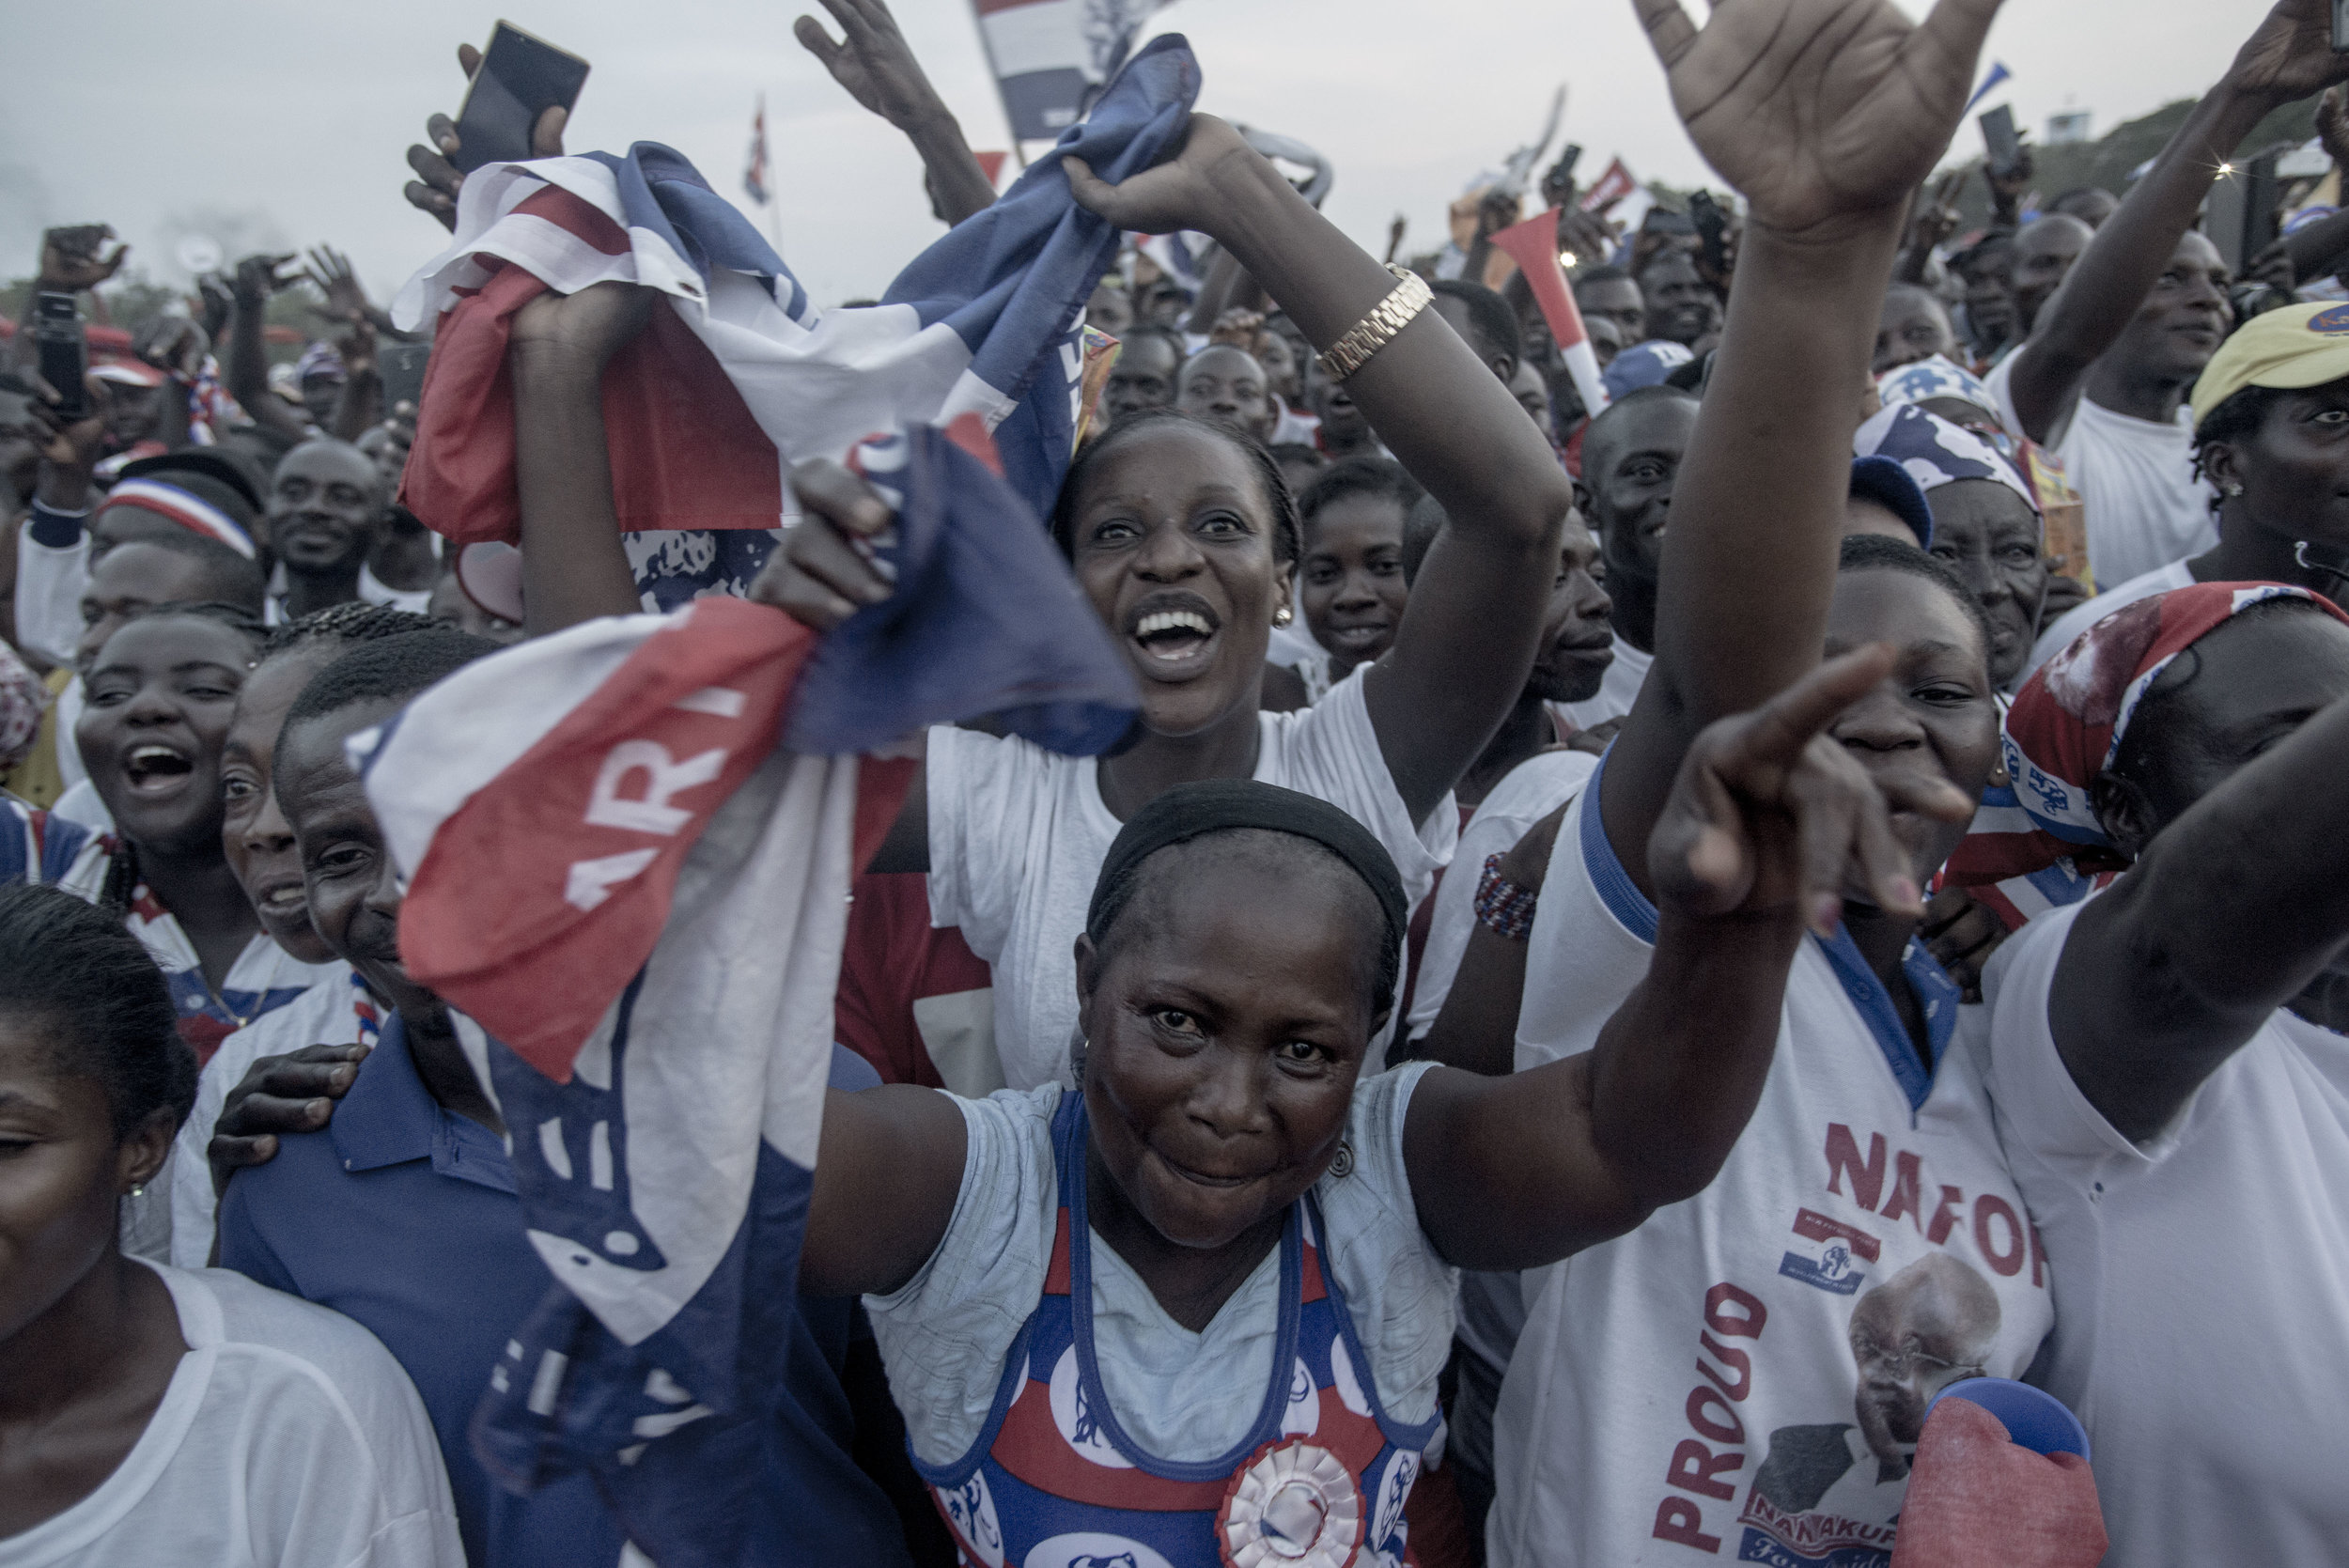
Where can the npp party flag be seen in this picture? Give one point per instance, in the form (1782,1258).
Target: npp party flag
(743,375)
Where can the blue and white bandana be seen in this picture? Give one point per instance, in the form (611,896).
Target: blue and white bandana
(1936,452)
(1937,377)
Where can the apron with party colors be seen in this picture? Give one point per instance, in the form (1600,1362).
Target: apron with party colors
(1055,1482)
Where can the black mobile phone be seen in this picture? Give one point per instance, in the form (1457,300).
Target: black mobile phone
(402,369)
(1561,175)
(1710,222)
(521,78)
(64,352)
(1997,135)
(2340,26)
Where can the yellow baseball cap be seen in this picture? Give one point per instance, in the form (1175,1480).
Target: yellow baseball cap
(2299,346)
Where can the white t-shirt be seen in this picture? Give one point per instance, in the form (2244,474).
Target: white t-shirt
(1018,835)
(325,1015)
(1691,1389)
(289,1438)
(1531,791)
(1182,1396)
(2204,1338)
(2068,626)
(1616,693)
(49,583)
(2144,507)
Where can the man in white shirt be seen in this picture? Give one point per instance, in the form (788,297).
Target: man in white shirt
(2102,382)
(2279,520)
(1630,460)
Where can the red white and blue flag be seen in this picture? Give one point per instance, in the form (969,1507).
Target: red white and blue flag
(1050,56)
(744,376)
(627,850)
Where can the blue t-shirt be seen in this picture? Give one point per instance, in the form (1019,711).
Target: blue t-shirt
(402,1216)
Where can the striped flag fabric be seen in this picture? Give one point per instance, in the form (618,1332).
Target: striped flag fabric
(627,850)
(744,375)
(1050,56)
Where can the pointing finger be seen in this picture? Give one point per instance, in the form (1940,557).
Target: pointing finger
(1784,725)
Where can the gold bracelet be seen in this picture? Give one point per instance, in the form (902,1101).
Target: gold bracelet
(1377,330)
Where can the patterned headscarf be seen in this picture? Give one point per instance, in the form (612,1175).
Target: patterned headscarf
(1936,452)
(2038,843)
(1937,377)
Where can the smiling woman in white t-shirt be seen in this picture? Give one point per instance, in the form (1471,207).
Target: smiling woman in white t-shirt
(1185,539)
(151,1414)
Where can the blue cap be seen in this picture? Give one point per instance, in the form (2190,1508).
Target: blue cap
(1643,365)
(1885,482)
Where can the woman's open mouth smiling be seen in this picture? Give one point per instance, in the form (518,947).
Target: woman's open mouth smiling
(153,769)
(1175,642)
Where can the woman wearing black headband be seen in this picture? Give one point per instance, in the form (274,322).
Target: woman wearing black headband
(1194,1310)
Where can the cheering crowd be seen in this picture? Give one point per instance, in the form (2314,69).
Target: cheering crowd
(1151,905)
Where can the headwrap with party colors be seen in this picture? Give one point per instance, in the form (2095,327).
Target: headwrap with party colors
(1936,452)
(186,509)
(1936,377)
(2037,843)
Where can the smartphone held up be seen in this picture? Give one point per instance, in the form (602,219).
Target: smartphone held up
(63,346)
(521,77)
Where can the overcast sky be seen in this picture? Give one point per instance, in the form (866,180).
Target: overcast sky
(285,121)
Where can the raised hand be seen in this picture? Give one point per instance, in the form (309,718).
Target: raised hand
(2290,54)
(1771,813)
(259,276)
(173,344)
(1585,236)
(872,62)
(1183,193)
(1818,109)
(330,270)
(438,180)
(75,258)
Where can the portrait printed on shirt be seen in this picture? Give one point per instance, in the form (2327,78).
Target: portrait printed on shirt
(1931,1324)
(1891,1284)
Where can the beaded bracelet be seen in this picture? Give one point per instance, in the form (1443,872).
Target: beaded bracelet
(1505,908)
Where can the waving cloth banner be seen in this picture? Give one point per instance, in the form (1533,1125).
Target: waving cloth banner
(628,850)
(744,375)
(1049,56)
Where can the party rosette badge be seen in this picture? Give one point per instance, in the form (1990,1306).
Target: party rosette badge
(1292,1505)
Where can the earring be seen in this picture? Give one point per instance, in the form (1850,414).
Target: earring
(1283,615)
(138,1189)
(2234,488)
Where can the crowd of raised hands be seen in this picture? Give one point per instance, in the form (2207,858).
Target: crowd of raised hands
(1716,930)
